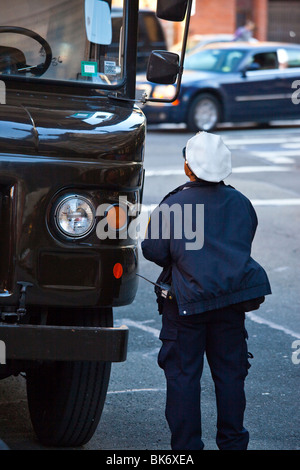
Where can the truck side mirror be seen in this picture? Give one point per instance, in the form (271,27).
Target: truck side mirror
(163,67)
(98,22)
(171,10)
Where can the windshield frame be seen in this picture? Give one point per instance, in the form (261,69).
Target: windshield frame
(84,85)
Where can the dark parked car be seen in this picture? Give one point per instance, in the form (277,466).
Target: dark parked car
(231,82)
(199,40)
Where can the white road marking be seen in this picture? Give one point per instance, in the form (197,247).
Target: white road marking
(141,325)
(258,169)
(241,169)
(169,172)
(275,202)
(256,202)
(154,331)
(252,316)
(283,157)
(280,269)
(133,390)
(268,140)
(275,326)
(293,145)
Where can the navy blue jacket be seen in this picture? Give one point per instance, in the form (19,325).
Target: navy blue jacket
(220,271)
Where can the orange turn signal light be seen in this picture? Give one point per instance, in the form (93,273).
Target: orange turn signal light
(116,217)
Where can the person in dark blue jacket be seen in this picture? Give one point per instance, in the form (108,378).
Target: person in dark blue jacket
(201,235)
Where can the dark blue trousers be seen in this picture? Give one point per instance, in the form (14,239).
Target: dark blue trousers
(221,335)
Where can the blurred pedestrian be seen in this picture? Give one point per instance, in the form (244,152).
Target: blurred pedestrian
(212,285)
(245,33)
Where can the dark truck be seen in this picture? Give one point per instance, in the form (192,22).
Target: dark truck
(71,180)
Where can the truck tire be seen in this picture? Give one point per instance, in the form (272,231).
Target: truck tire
(66,399)
(204,113)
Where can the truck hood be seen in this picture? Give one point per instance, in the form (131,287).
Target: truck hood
(17,132)
(73,133)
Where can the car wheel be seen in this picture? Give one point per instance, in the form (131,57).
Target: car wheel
(66,399)
(204,113)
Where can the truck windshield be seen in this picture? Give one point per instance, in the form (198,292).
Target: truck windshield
(69,40)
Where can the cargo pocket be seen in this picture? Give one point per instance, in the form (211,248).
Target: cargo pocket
(248,355)
(168,356)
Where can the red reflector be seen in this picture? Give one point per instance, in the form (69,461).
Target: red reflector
(118,270)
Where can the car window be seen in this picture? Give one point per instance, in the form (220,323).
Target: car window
(231,60)
(214,60)
(264,61)
(289,58)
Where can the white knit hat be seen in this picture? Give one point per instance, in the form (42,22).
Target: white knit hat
(208,157)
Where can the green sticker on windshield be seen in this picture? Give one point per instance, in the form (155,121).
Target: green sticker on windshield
(89,69)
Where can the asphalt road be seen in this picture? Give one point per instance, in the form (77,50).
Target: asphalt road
(266,168)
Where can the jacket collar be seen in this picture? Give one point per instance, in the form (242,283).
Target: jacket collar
(192,184)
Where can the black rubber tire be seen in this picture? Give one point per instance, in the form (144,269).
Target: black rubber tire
(204,113)
(66,399)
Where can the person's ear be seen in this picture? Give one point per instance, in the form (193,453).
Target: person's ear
(187,170)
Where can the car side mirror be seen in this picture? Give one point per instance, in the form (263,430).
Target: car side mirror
(249,68)
(171,10)
(253,66)
(163,67)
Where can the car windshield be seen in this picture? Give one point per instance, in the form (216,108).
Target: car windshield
(75,40)
(214,60)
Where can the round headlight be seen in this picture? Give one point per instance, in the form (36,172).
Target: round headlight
(75,216)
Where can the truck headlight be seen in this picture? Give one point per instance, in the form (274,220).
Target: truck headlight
(74,216)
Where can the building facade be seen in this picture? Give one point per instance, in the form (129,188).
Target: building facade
(275,20)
